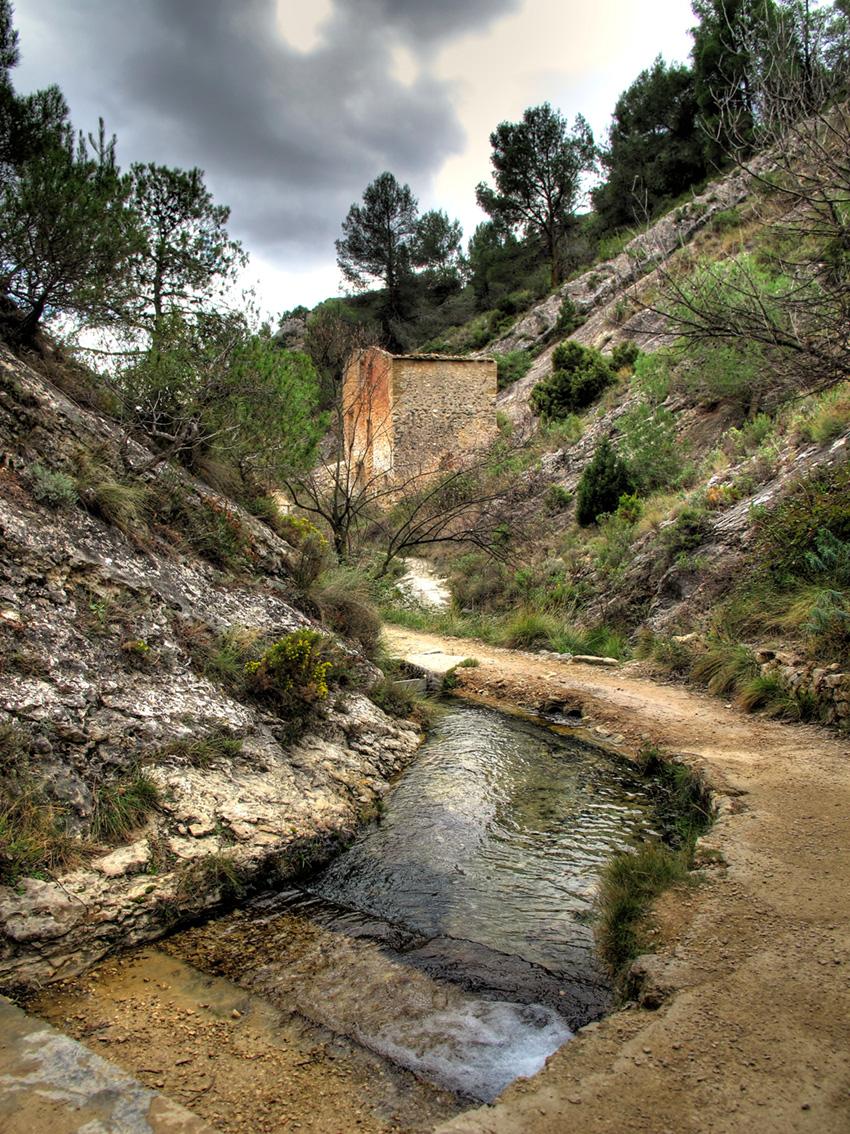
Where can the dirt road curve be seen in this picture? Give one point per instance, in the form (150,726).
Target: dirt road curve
(756,1037)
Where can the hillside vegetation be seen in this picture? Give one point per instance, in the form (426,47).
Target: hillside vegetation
(670,481)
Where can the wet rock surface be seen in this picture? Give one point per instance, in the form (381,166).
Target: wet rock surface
(51,1082)
(99,669)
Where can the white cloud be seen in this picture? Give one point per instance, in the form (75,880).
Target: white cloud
(301,24)
(280,289)
(577,56)
(404,66)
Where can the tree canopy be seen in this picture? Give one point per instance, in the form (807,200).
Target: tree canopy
(377,236)
(67,233)
(655,149)
(538,165)
(185,254)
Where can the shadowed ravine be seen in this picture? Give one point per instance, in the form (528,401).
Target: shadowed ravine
(452,937)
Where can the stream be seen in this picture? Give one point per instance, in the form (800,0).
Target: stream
(453,938)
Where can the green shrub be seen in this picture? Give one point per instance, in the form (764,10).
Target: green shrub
(293,673)
(511,367)
(220,657)
(725,220)
(687,532)
(207,525)
(122,806)
(624,356)
(605,479)
(629,508)
(719,371)
(568,317)
(557,498)
(395,701)
(653,375)
(516,301)
(469,663)
(476,580)
(753,433)
(55,489)
(616,536)
(345,603)
(579,376)
(650,446)
(565,431)
(215,532)
(311,545)
(830,416)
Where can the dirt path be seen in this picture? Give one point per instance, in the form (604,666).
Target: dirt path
(756,1037)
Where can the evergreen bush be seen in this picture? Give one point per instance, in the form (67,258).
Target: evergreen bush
(603,482)
(579,375)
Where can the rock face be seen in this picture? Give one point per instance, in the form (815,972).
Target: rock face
(98,667)
(601,296)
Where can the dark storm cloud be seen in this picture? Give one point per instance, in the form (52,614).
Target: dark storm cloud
(287,139)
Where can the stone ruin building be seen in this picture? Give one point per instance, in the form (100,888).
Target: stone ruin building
(416,413)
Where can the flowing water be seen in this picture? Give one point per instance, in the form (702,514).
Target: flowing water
(453,937)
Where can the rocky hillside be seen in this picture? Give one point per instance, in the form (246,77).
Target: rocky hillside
(143,775)
(731,551)
(604,297)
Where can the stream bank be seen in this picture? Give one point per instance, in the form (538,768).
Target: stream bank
(751,969)
(445,953)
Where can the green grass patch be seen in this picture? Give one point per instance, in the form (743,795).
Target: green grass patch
(633,880)
(630,884)
(121,807)
(768,694)
(204,751)
(725,667)
(522,629)
(34,842)
(116,501)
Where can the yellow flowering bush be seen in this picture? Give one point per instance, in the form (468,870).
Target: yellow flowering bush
(293,673)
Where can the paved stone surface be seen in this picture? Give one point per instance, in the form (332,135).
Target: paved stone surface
(50,1084)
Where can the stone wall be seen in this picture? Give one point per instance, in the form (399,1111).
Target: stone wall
(367,400)
(828,684)
(406,414)
(443,408)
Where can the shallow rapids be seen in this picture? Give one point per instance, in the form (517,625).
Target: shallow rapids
(453,937)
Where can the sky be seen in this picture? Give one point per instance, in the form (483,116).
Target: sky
(293,106)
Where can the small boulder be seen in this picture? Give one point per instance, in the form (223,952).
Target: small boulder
(125,860)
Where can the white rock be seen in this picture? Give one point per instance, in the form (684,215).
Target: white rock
(125,860)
